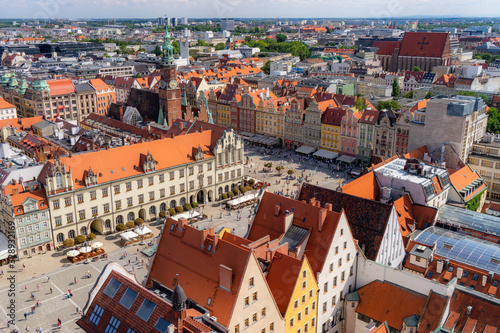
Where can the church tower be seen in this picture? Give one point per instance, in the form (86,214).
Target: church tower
(169,91)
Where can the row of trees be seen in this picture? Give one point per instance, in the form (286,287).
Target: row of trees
(80,239)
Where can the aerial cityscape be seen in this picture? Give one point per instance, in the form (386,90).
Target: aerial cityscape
(250,167)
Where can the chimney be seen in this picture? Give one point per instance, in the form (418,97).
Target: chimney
(288,219)
(460,271)
(225,277)
(485,279)
(312,201)
(439,267)
(321,218)
(277,209)
(469,310)
(328,206)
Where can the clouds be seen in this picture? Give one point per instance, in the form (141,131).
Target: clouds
(49,9)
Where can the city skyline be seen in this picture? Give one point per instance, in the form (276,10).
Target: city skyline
(36,9)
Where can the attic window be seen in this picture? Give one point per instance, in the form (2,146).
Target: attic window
(303,220)
(172,227)
(209,248)
(448,246)
(111,171)
(123,169)
(209,301)
(495,260)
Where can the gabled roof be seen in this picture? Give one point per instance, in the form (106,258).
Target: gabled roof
(38,195)
(367,218)
(423,44)
(387,302)
(365,187)
(110,298)
(333,116)
(369,116)
(282,277)
(386,47)
(200,275)
(266,223)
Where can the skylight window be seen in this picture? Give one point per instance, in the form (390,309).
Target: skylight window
(146,309)
(123,169)
(162,325)
(128,298)
(112,288)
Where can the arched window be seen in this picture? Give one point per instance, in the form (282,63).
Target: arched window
(59,180)
(83,231)
(60,237)
(119,219)
(152,210)
(220,190)
(172,204)
(131,216)
(163,206)
(226,188)
(182,201)
(107,223)
(71,234)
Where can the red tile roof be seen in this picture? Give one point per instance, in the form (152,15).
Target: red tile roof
(200,275)
(266,223)
(423,44)
(384,301)
(463,177)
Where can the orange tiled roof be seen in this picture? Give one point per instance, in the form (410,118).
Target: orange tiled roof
(282,277)
(99,85)
(5,105)
(125,161)
(365,187)
(383,301)
(463,177)
(60,87)
(200,275)
(38,195)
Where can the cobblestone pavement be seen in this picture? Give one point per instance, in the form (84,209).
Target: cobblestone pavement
(61,272)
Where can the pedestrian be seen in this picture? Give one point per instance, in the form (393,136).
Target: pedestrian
(27,328)
(69,291)
(25,316)
(133,267)
(48,278)
(77,310)
(25,288)
(37,287)
(129,261)
(58,323)
(75,279)
(2,272)
(37,303)
(24,266)
(32,310)
(137,250)
(51,290)
(8,324)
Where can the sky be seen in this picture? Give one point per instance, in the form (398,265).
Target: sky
(53,9)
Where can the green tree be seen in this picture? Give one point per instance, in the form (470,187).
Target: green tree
(176,46)
(281,38)
(202,43)
(493,121)
(158,51)
(138,75)
(266,68)
(417,69)
(220,46)
(79,239)
(91,236)
(395,88)
(388,105)
(361,103)
(428,95)
(409,94)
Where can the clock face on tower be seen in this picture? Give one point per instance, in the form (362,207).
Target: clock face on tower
(163,84)
(173,84)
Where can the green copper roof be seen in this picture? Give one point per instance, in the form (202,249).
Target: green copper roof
(40,85)
(168,49)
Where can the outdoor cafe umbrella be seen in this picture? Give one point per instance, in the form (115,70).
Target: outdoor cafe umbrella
(85,249)
(73,253)
(97,245)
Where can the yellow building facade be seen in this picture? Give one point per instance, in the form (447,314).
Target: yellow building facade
(330,137)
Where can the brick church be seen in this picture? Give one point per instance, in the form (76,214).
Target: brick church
(422,49)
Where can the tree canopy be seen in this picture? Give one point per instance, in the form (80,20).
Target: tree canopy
(266,68)
(395,88)
(296,48)
(281,38)
(388,105)
(493,121)
(417,69)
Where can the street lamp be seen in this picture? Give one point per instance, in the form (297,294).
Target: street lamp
(141,228)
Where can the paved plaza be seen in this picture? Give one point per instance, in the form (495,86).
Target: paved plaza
(62,272)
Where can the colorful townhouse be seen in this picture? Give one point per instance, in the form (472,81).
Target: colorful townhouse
(294,288)
(330,128)
(349,133)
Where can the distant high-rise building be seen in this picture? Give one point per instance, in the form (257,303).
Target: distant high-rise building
(183,20)
(173,21)
(161,20)
(227,24)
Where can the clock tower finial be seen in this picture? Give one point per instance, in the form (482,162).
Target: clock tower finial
(168,49)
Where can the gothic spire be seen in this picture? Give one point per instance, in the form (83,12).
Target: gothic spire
(168,49)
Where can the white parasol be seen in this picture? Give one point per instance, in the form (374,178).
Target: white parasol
(97,245)
(73,253)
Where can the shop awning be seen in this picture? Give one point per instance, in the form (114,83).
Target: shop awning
(305,150)
(326,154)
(242,199)
(346,159)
